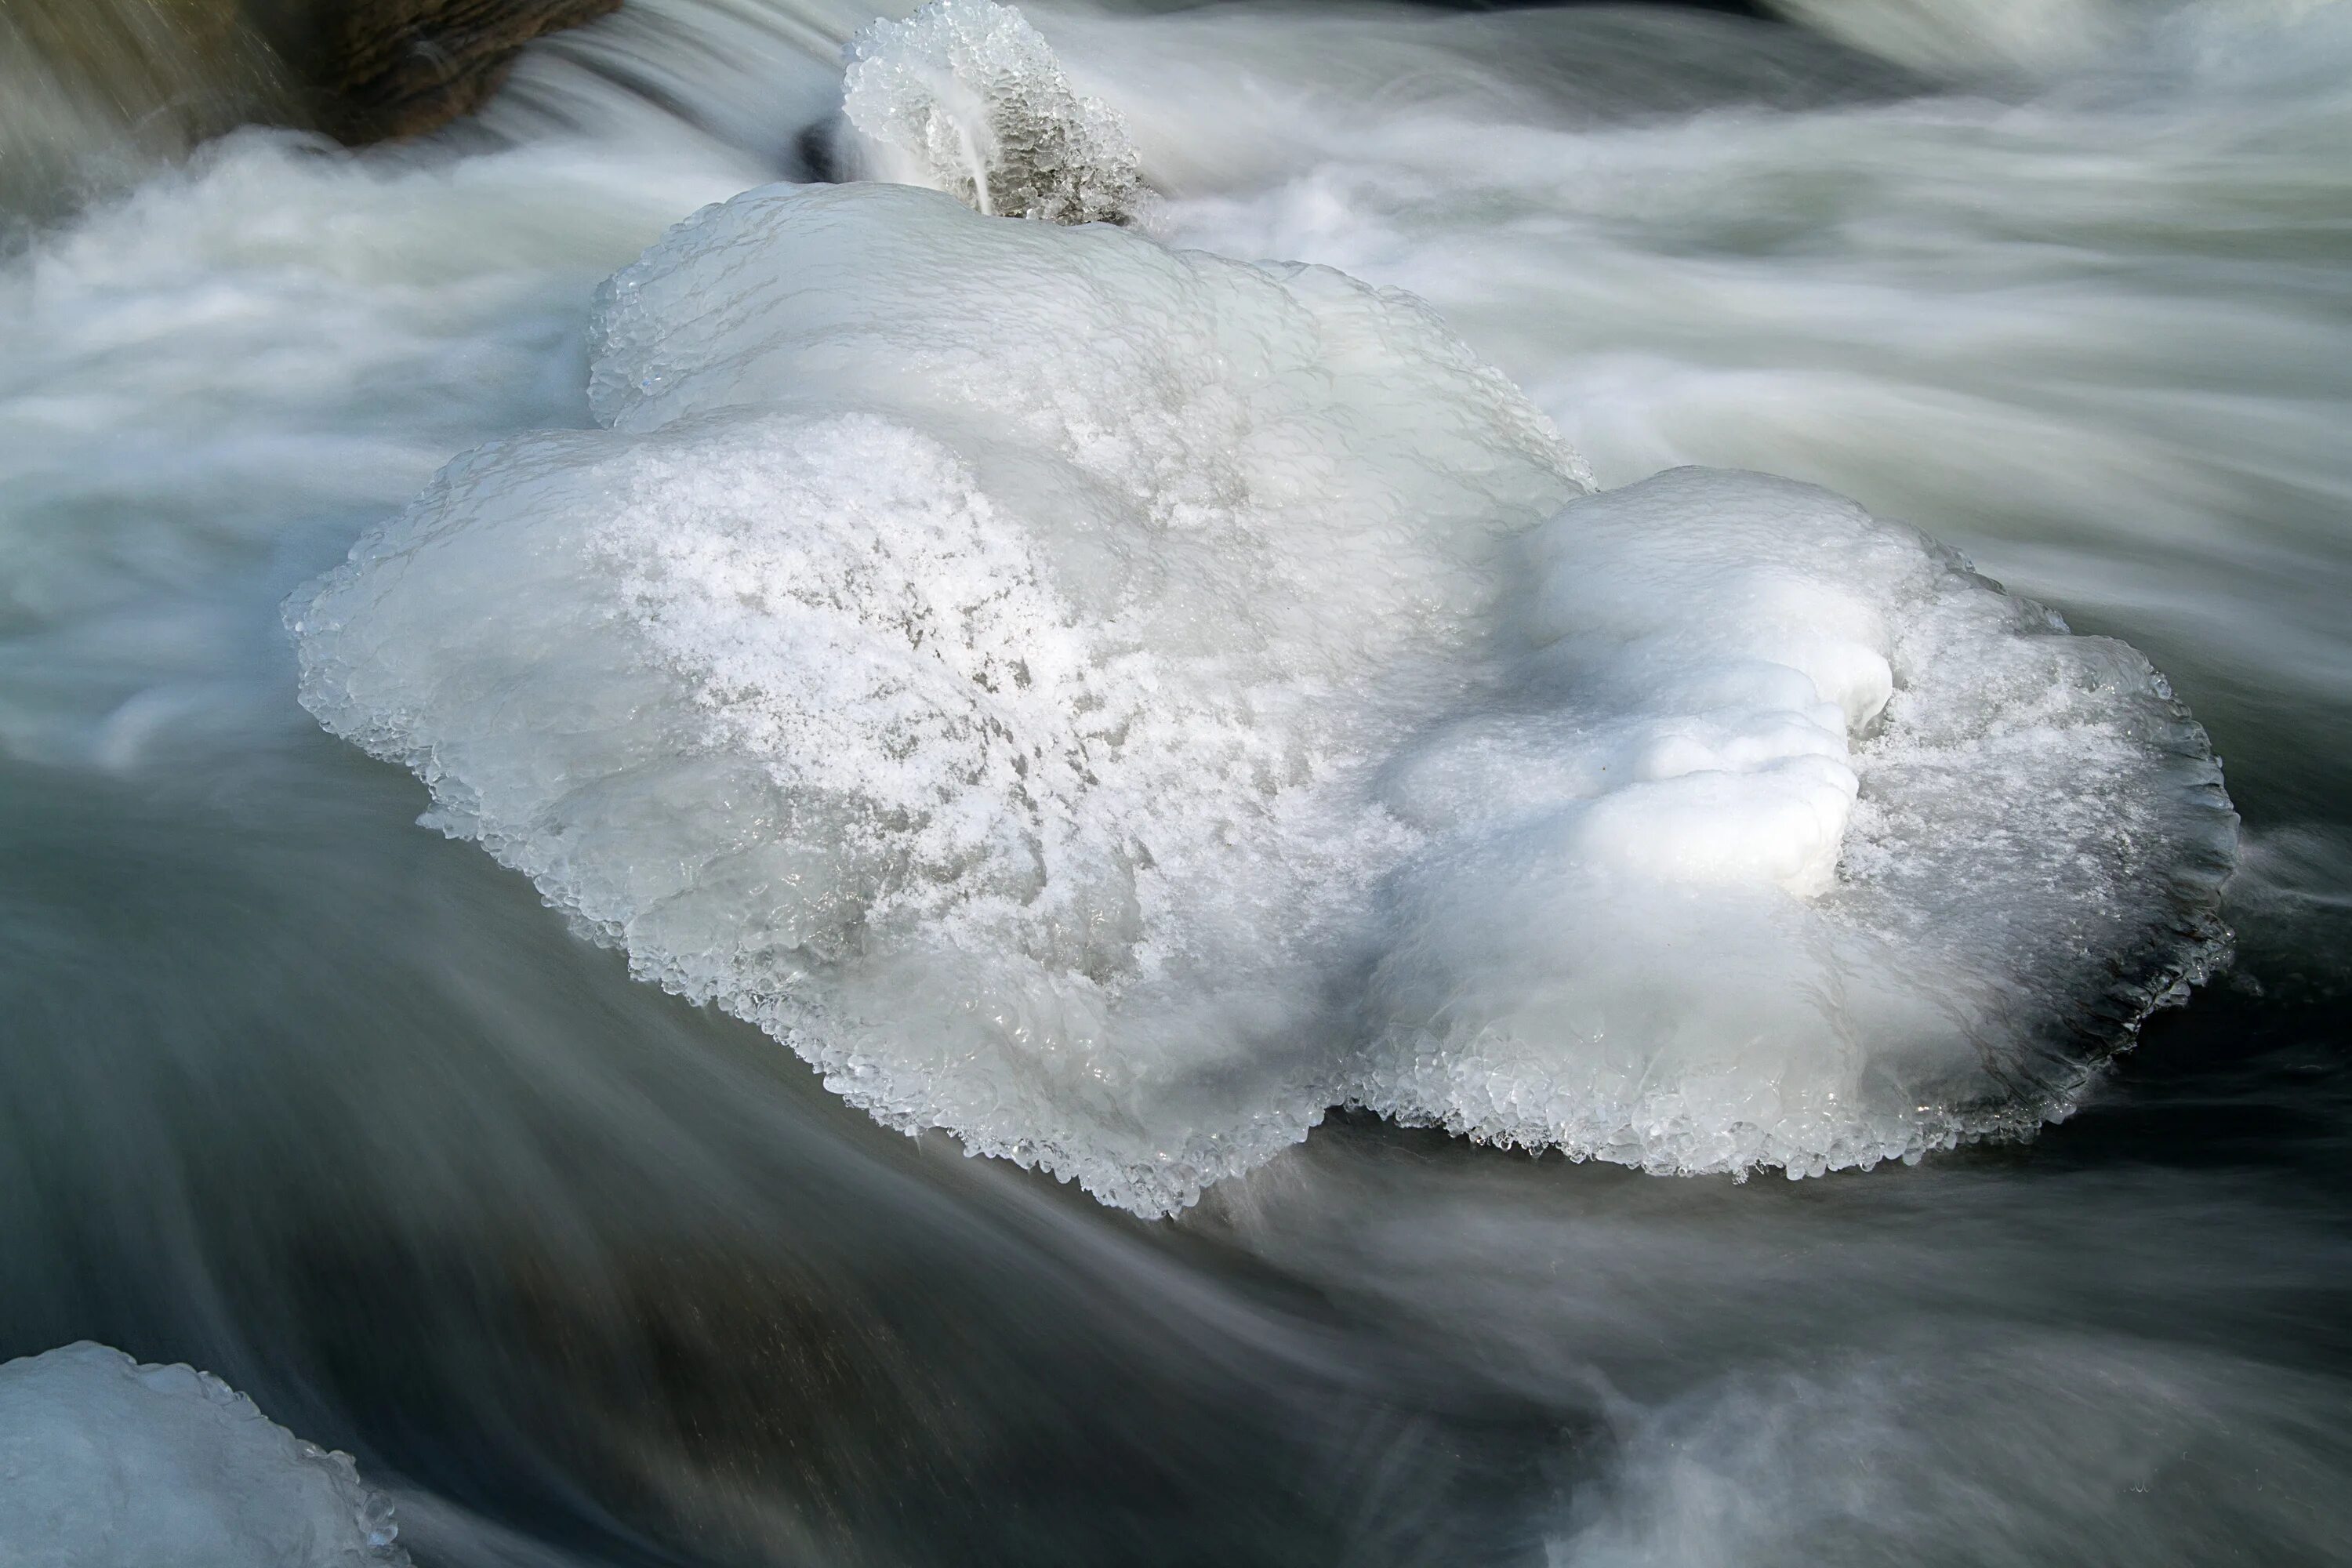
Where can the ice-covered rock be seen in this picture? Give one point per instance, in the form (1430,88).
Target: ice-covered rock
(1114,703)
(105,1463)
(1780,839)
(963,657)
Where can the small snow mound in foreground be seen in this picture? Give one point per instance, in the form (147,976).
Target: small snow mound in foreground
(106,1463)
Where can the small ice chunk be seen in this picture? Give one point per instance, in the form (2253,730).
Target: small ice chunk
(965,97)
(105,1463)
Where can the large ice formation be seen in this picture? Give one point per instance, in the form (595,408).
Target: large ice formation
(965,97)
(1778,838)
(105,1463)
(1114,703)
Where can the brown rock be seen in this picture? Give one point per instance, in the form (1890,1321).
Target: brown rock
(377,69)
(91,90)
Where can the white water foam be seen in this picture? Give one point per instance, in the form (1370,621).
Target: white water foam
(1113,703)
(1971,37)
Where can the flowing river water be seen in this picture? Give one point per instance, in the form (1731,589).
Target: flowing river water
(337,1107)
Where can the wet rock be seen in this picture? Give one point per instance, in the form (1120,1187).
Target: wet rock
(378,69)
(92,92)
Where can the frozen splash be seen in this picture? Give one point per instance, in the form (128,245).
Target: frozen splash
(1114,703)
(965,97)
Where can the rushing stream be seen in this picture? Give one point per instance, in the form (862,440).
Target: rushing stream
(1293,787)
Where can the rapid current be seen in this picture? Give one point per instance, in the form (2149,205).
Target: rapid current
(1253,784)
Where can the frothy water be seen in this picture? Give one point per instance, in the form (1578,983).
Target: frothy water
(1211,666)
(93,92)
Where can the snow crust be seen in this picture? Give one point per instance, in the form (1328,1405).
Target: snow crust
(965,97)
(1114,704)
(106,1463)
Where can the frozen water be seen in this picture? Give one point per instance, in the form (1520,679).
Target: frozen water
(964,656)
(105,1463)
(1113,703)
(1782,839)
(965,97)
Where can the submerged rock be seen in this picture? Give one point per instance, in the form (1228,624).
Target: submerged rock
(90,87)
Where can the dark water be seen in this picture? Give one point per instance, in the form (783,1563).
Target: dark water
(294,1091)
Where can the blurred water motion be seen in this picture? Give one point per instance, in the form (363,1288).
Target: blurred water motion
(300,1092)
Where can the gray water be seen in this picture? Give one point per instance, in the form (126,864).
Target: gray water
(296,1090)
